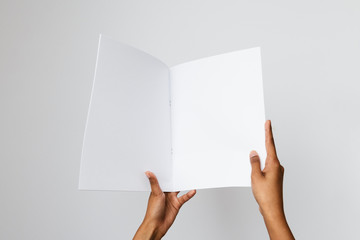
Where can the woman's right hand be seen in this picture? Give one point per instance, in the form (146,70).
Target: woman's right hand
(267,187)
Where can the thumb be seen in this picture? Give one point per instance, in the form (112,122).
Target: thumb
(155,186)
(255,164)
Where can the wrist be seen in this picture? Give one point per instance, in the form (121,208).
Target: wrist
(274,217)
(277,225)
(272,213)
(147,231)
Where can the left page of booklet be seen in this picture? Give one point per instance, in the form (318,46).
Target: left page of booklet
(128,124)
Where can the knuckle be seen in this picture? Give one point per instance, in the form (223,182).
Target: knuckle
(276,163)
(156,194)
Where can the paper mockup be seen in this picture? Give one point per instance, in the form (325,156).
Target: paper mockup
(193,124)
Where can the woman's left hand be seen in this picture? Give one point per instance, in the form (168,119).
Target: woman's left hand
(161,212)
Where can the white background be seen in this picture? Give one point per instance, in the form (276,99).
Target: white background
(310,54)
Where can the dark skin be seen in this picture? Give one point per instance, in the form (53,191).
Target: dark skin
(267,188)
(162,210)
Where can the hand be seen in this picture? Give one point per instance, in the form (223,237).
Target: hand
(267,187)
(161,212)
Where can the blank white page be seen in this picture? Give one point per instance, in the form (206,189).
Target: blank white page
(217,118)
(128,124)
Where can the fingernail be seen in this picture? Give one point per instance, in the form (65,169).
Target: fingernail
(147,173)
(253,154)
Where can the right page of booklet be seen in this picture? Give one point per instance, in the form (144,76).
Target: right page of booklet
(217,118)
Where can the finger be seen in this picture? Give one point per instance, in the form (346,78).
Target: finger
(186,197)
(255,164)
(155,187)
(269,140)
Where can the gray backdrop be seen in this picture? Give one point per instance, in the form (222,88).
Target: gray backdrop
(310,53)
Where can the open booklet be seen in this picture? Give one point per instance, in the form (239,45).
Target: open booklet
(192,124)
